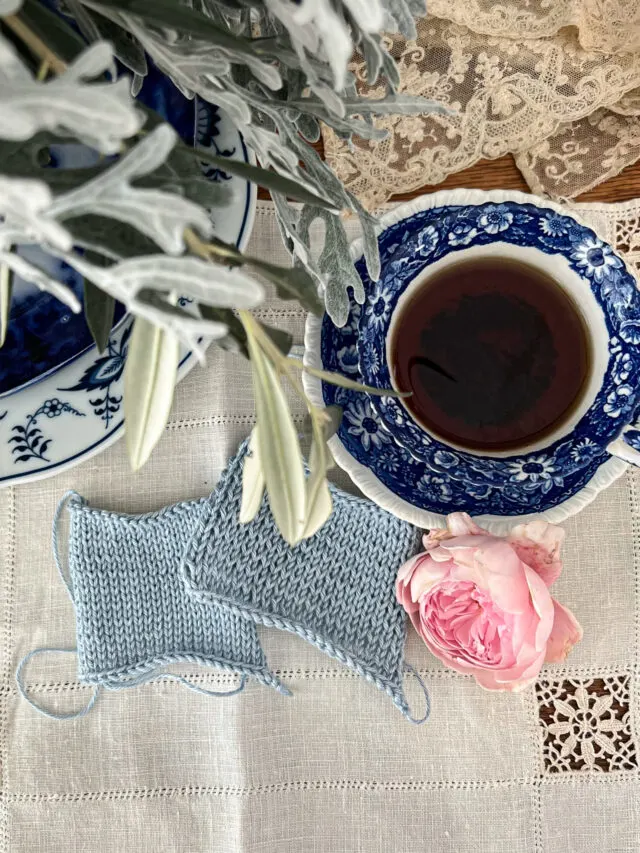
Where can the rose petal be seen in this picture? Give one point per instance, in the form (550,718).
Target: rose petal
(442,655)
(407,569)
(538,545)
(565,633)
(461,523)
(439,554)
(427,573)
(416,576)
(414,616)
(509,680)
(543,606)
(462,549)
(468,540)
(503,576)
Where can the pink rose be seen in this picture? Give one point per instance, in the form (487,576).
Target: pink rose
(482,605)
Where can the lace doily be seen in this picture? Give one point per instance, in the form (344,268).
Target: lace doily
(569,113)
(586,724)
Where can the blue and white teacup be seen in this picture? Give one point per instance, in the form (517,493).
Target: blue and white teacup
(466,224)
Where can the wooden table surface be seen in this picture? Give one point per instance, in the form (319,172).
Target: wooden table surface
(504,174)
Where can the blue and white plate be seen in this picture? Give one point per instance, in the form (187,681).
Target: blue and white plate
(61,400)
(423,490)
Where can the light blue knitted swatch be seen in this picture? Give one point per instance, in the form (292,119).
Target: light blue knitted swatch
(133,614)
(335,590)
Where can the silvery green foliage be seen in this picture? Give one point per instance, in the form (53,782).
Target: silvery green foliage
(24,219)
(334,255)
(30,214)
(24,214)
(99,113)
(162,216)
(147,287)
(399,15)
(316,27)
(308,44)
(96,28)
(28,271)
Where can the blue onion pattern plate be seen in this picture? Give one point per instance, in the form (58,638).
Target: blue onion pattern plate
(422,487)
(72,408)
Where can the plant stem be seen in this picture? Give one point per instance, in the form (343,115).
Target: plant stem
(280,361)
(35,43)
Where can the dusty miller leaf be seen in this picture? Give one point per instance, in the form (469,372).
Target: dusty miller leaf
(335,190)
(161,216)
(125,47)
(335,264)
(25,207)
(161,311)
(203,282)
(235,339)
(221,45)
(54,31)
(313,24)
(280,337)
(370,228)
(392,104)
(100,114)
(29,272)
(263,177)
(109,238)
(289,282)
(401,17)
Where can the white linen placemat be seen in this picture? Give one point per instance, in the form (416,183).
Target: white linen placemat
(335,768)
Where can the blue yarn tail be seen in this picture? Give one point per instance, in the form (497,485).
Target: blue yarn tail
(218,693)
(63,570)
(418,720)
(54,715)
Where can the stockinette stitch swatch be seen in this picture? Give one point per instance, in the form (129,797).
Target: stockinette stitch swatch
(133,614)
(335,590)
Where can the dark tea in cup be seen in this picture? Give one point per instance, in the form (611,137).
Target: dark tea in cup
(495,353)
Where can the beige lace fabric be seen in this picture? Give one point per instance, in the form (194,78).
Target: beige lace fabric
(528,77)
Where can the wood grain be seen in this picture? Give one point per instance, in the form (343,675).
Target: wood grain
(504,174)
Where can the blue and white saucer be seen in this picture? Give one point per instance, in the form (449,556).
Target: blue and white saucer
(61,400)
(423,490)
